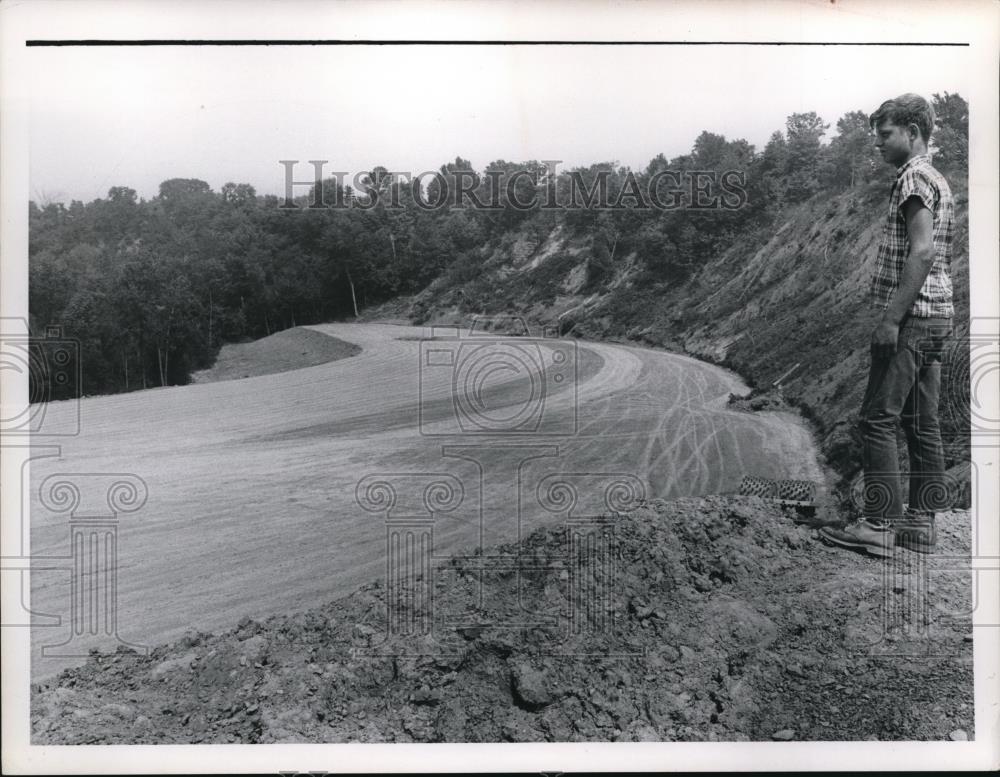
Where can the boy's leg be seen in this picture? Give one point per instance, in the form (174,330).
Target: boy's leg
(920,419)
(890,381)
(928,487)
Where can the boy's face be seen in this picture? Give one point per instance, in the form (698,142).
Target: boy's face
(894,143)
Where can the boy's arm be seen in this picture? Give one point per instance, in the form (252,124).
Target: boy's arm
(920,231)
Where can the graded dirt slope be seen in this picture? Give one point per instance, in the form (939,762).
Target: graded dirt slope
(712,619)
(252,507)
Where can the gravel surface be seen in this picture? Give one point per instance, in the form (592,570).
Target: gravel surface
(708,619)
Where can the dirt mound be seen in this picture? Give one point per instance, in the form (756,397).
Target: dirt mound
(698,619)
(290,349)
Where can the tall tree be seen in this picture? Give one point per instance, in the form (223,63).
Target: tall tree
(852,158)
(950,141)
(804,132)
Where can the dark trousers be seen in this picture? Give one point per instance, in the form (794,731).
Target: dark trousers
(904,389)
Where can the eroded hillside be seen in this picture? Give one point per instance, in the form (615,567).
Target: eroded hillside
(786,304)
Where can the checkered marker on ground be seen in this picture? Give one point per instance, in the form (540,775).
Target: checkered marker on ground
(796,490)
(751,485)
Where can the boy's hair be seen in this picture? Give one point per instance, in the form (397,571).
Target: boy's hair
(905,110)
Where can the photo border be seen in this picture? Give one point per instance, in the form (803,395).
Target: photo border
(975,23)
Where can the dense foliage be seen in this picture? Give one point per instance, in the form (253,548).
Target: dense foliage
(151,288)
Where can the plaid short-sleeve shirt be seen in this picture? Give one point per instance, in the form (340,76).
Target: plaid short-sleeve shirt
(917,178)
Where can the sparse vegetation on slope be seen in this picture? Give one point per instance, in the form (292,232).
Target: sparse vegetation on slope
(792,307)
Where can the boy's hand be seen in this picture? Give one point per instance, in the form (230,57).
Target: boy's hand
(884,340)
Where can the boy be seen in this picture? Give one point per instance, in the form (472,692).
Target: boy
(911,286)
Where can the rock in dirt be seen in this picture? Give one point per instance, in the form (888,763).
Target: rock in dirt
(958,735)
(471,632)
(736,622)
(425,696)
(515,731)
(785,735)
(63,696)
(120,711)
(182,663)
(530,686)
(253,649)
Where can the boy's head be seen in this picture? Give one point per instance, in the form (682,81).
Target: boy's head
(903,127)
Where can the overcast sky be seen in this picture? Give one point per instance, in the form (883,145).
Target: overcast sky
(103,117)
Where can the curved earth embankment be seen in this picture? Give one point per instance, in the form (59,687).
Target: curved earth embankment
(252,507)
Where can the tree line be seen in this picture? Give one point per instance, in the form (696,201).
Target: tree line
(151,289)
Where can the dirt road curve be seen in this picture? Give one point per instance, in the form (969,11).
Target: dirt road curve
(251,483)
